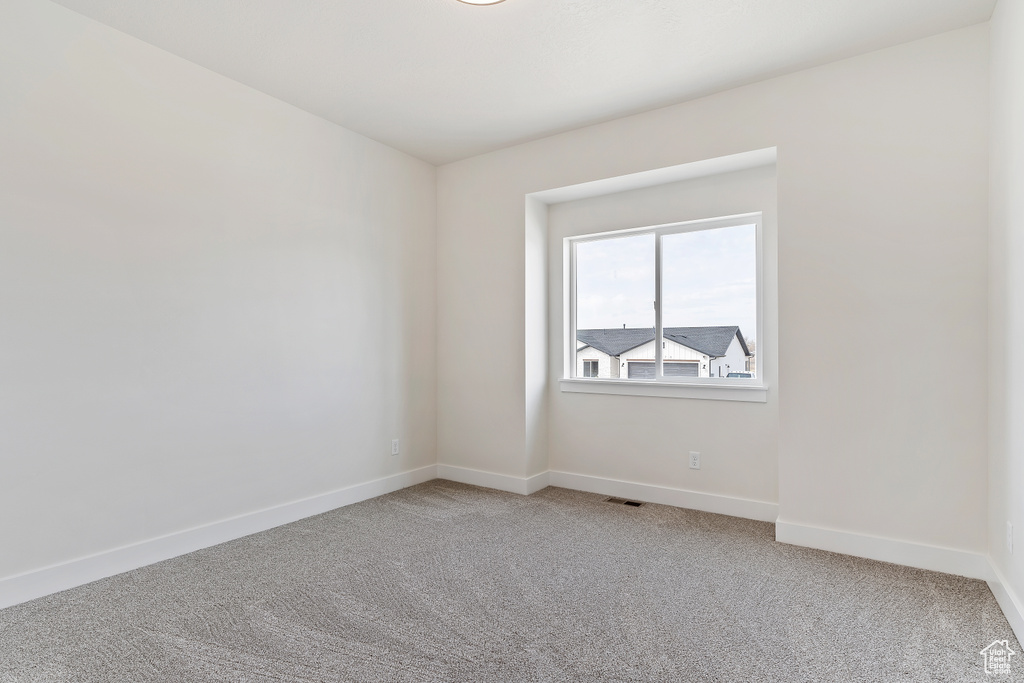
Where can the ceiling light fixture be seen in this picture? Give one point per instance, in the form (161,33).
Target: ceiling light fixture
(481,2)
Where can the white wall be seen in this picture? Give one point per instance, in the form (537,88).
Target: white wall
(210,302)
(646,439)
(882,191)
(1006,364)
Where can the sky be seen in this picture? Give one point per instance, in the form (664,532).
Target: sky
(708,278)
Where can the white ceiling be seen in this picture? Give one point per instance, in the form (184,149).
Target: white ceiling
(443,80)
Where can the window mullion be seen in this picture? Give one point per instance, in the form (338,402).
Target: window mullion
(572,310)
(658,370)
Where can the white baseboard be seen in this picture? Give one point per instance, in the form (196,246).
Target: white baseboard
(537,482)
(919,555)
(55,578)
(492,480)
(694,500)
(1008,601)
(725,505)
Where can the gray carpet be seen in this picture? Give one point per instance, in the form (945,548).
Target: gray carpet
(446,582)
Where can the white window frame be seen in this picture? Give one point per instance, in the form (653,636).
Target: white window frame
(731,389)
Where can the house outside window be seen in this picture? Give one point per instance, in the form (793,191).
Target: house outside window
(677,303)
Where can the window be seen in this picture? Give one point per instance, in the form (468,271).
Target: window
(671,304)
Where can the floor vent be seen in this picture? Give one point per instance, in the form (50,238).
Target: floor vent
(623,501)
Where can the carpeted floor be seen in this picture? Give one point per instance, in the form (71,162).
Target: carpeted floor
(446,582)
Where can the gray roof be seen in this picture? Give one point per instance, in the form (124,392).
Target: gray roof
(711,341)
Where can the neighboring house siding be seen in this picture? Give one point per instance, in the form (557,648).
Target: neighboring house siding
(732,361)
(672,351)
(606,368)
(639,361)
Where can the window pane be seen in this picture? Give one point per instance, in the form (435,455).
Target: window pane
(709,289)
(614,302)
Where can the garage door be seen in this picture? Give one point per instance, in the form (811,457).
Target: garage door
(645,369)
(682,369)
(641,369)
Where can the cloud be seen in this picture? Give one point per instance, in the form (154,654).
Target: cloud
(709,278)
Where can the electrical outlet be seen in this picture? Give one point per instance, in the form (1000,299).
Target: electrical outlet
(694,460)
(1009,537)
(394,446)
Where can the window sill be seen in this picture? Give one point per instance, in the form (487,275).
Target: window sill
(710,391)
